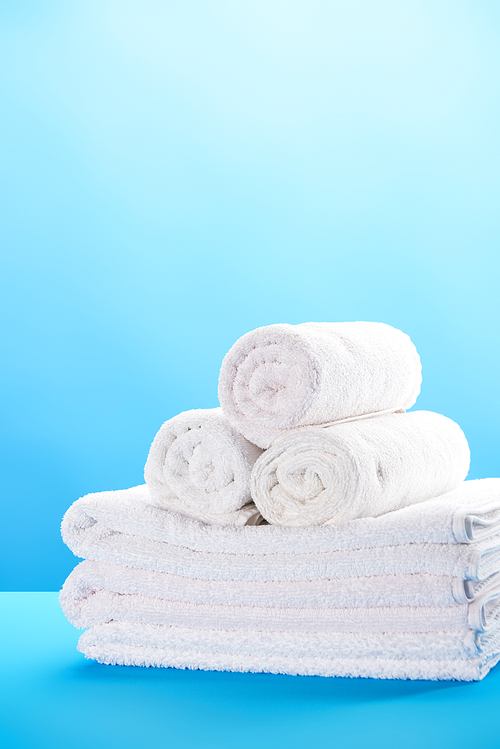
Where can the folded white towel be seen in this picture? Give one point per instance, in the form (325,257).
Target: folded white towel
(152,611)
(200,465)
(423,645)
(469,562)
(124,528)
(92,581)
(446,655)
(84,607)
(317,475)
(380,590)
(283,376)
(469,514)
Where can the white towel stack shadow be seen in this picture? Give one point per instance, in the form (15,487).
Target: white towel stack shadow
(308,526)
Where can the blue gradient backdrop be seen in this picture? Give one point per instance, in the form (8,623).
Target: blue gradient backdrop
(175,174)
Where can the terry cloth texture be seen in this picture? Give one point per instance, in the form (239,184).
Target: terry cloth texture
(417,589)
(200,465)
(316,475)
(453,656)
(414,593)
(90,598)
(458,528)
(283,376)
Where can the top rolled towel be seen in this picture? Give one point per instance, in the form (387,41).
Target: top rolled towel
(284,376)
(200,466)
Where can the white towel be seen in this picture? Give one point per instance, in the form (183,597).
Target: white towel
(200,465)
(97,592)
(446,655)
(452,535)
(469,562)
(316,475)
(232,624)
(380,590)
(450,644)
(85,606)
(283,376)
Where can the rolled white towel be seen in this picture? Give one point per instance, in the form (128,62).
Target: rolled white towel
(200,465)
(318,475)
(282,376)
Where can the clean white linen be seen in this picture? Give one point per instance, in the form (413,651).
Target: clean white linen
(411,594)
(417,589)
(283,376)
(451,535)
(446,655)
(85,606)
(316,475)
(200,465)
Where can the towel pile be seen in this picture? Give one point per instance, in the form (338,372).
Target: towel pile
(308,526)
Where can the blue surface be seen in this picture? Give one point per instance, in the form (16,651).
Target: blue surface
(50,696)
(173,175)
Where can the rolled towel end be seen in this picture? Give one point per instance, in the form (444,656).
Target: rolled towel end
(302,481)
(283,376)
(316,476)
(200,465)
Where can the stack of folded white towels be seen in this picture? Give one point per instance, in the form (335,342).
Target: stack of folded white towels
(308,526)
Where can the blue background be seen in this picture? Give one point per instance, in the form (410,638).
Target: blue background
(175,174)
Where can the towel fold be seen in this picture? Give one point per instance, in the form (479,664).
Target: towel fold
(452,644)
(468,514)
(104,606)
(283,376)
(474,562)
(85,606)
(95,593)
(200,465)
(316,475)
(379,590)
(124,528)
(446,655)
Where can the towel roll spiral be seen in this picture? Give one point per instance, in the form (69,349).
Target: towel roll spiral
(315,475)
(200,466)
(283,376)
